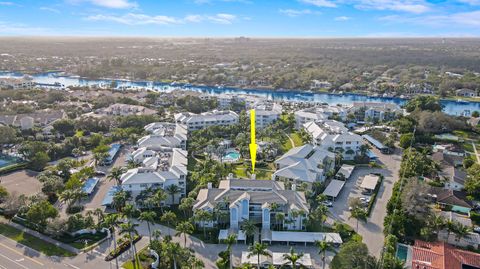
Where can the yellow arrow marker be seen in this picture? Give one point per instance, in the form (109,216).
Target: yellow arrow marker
(253,145)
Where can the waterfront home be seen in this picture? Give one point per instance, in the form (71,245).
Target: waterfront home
(158,170)
(16,83)
(319,113)
(249,199)
(307,163)
(213,118)
(375,112)
(334,136)
(466,93)
(163,134)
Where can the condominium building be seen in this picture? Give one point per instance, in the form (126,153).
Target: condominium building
(244,199)
(163,134)
(207,119)
(307,163)
(158,170)
(334,136)
(371,111)
(266,113)
(319,113)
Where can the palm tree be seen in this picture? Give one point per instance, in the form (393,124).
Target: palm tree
(67,197)
(323,247)
(195,263)
(279,218)
(98,212)
(148,217)
(168,217)
(358,214)
(129,228)
(158,198)
(203,216)
(258,249)
(173,250)
(98,157)
(119,200)
(173,190)
(249,228)
(110,222)
(186,205)
(292,257)
(461,231)
(451,227)
(230,240)
(184,228)
(437,223)
(131,164)
(115,174)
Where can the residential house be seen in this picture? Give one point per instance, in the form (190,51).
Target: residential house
(207,119)
(319,113)
(307,163)
(440,255)
(249,199)
(451,170)
(466,93)
(39,118)
(451,200)
(334,136)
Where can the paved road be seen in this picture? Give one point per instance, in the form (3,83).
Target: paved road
(372,230)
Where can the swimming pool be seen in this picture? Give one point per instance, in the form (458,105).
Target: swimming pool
(402,252)
(231,156)
(6,160)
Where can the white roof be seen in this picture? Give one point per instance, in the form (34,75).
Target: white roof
(369,182)
(346,170)
(278,259)
(334,188)
(303,237)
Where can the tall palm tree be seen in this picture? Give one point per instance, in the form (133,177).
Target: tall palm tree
(461,231)
(98,157)
(279,218)
(115,174)
(119,200)
(323,247)
(230,240)
(203,216)
(98,212)
(169,217)
(195,263)
(184,228)
(149,218)
(173,190)
(249,228)
(358,214)
(292,257)
(173,250)
(258,249)
(129,228)
(111,222)
(437,223)
(159,197)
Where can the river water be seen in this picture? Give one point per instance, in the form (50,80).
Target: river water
(451,107)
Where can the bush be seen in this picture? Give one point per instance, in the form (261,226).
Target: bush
(475,217)
(121,248)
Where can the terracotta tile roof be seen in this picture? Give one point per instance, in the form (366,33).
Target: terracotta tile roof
(440,255)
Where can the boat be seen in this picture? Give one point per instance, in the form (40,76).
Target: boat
(461,101)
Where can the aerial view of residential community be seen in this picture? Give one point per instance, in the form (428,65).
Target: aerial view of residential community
(191,134)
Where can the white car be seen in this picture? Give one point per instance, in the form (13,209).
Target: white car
(327,203)
(365,199)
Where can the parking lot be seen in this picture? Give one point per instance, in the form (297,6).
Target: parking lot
(372,230)
(21,182)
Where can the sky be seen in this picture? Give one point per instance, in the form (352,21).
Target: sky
(252,18)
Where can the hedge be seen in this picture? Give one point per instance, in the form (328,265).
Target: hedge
(12,168)
(122,248)
(373,198)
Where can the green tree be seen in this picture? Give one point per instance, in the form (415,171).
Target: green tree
(130,229)
(115,174)
(292,257)
(249,228)
(204,217)
(3,194)
(64,126)
(39,213)
(39,161)
(230,240)
(149,218)
(169,217)
(353,255)
(111,222)
(323,247)
(184,228)
(173,190)
(258,249)
(423,102)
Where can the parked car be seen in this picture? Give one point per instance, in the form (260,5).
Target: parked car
(476,230)
(100,173)
(327,203)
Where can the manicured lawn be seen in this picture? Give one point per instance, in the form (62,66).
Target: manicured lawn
(297,141)
(33,242)
(467,146)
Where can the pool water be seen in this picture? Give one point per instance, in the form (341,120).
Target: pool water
(402,252)
(231,156)
(3,163)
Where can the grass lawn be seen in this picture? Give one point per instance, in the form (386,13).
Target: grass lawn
(33,242)
(297,141)
(143,261)
(467,146)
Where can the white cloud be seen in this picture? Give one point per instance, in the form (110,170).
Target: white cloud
(471,2)
(21,29)
(320,3)
(50,9)
(297,12)
(342,18)
(118,4)
(471,19)
(410,6)
(143,19)
(200,2)
(7,3)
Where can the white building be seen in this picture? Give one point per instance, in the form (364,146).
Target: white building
(307,163)
(266,113)
(207,119)
(159,170)
(226,100)
(163,134)
(319,113)
(15,83)
(125,110)
(246,199)
(371,111)
(334,136)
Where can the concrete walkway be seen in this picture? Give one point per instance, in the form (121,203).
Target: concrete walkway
(476,153)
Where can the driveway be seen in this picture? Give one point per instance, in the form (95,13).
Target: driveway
(372,230)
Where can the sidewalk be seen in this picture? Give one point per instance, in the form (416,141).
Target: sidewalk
(43,237)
